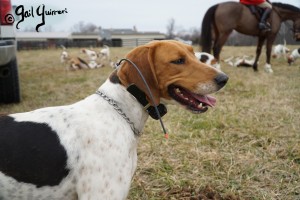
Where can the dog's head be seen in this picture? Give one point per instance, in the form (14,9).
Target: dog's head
(293,56)
(174,74)
(207,59)
(290,59)
(64,56)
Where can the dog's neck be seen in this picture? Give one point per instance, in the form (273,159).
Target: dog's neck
(141,98)
(126,102)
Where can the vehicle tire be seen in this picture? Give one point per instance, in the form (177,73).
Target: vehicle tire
(9,83)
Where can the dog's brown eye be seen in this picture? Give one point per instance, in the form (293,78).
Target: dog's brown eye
(179,61)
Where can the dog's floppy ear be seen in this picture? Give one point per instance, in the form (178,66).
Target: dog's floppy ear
(143,58)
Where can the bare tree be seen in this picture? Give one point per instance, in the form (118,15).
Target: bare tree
(82,27)
(192,34)
(171,29)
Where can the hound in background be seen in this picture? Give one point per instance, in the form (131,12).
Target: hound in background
(240,61)
(72,63)
(293,56)
(229,61)
(76,63)
(207,59)
(104,54)
(244,61)
(64,55)
(92,55)
(280,50)
(88,150)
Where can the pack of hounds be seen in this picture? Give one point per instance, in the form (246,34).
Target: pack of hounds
(282,51)
(95,59)
(102,58)
(247,61)
(279,51)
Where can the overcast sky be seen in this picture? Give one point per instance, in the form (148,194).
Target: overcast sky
(145,15)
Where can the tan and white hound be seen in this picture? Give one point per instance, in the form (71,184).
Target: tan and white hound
(88,150)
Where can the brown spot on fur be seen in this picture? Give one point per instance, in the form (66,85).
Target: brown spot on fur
(84,186)
(106,184)
(111,192)
(81,170)
(214,61)
(120,178)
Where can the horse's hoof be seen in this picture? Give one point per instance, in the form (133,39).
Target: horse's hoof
(268,69)
(255,68)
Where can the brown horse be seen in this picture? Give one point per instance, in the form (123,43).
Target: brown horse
(221,19)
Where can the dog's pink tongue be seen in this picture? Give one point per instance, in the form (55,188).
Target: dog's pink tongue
(209,100)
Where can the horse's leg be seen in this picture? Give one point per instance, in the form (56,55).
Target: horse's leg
(260,43)
(268,66)
(218,44)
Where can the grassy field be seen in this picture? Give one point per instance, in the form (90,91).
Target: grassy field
(247,147)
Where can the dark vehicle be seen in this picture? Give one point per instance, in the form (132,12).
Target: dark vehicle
(9,78)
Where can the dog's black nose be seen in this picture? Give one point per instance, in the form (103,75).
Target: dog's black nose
(221,79)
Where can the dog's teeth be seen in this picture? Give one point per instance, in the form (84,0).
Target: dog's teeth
(177,90)
(186,98)
(200,105)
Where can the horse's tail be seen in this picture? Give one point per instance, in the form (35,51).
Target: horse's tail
(206,34)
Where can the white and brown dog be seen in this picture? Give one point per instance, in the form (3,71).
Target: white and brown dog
(294,56)
(240,61)
(104,54)
(280,51)
(88,150)
(92,55)
(72,63)
(64,57)
(208,59)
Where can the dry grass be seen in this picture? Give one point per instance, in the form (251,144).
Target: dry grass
(248,147)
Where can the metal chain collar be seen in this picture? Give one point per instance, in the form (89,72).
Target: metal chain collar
(120,111)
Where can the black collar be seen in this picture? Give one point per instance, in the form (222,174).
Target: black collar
(141,97)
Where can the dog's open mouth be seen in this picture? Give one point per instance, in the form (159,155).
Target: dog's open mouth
(194,102)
